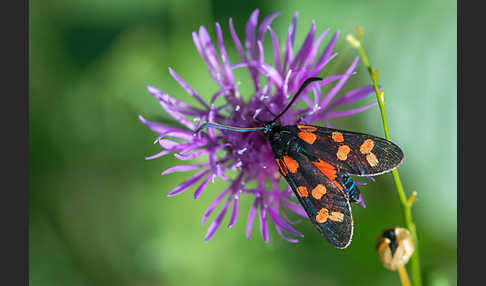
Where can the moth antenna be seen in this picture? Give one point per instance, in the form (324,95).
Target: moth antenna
(268,109)
(225,127)
(302,87)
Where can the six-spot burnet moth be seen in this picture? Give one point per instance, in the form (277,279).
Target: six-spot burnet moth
(317,163)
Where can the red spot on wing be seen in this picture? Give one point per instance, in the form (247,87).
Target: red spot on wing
(291,164)
(367,146)
(307,128)
(319,191)
(282,168)
(343,152)
(322,215)
(327,169)
(307,137)
(337,137)
(338,185)
(302,191)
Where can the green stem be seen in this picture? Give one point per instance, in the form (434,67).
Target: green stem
(405,203)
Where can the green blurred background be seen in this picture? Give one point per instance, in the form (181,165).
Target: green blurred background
(99,214)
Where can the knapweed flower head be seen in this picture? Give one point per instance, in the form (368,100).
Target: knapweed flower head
(248,156)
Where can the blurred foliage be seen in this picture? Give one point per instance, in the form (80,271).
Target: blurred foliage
(99,214)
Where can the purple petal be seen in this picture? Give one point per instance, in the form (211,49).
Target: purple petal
(168,144)
(325,54)
(282,223)
(211,207)
(266,25)
(188,147)
(183,168)
(175,133)
(290,42)
(174,107)
(251,216)
(263,224)
(217,222)
(238,45)
(220,92)
(209,49)
(340,83)
(186,184)
(234,215)
(347,112)
(308,58)
(260,52)
(224,55)
(267,71)
(295,208)
(321,65)
(201,187)
(189,156)
(293,27)
(361,201)
(187,87)
(211,119)
(188,136)
(317,94)
(250,33)
(160,154)
(286,83)
(305,48)
(276,51)
(205,55)
(161,128)
(313,51)
(177,116)
(289,239)
(352,96)
(200,49)
(179,106)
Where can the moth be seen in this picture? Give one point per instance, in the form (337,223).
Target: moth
(317,163)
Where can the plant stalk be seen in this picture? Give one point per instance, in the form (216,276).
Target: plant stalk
(405,203)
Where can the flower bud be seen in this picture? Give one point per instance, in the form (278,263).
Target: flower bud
(353,41)
(395,247)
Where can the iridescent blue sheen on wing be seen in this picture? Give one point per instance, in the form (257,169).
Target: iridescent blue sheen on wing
(350,187)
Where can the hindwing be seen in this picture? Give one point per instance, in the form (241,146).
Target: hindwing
(323,198)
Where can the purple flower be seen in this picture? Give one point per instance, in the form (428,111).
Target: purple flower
(241,158)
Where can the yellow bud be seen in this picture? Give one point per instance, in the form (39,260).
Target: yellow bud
(395,247)
(353,41)
(374,74)
(382,96)
(411,198)
(359,31)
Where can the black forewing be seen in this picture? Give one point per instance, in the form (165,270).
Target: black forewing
(338,230)
(384,156)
